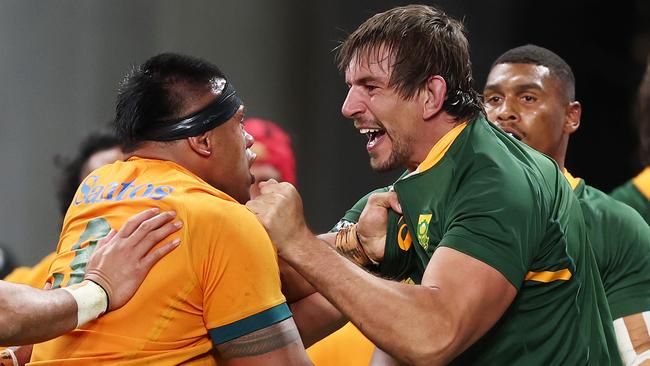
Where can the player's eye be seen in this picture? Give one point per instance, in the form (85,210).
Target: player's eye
(492,99)
(529,98)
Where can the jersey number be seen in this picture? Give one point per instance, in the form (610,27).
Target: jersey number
(83,248)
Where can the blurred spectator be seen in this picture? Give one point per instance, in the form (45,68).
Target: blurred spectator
(7,263)
(96,150)
(636,191)
(275,159)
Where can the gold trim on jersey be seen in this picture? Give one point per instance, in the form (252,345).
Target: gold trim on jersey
(440,148)
(572,181)
(642,182)
(549,276)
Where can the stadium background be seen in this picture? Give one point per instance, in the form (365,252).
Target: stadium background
(61,62)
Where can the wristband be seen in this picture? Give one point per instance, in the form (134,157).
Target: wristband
(91,299)
(347,243)
(8,358)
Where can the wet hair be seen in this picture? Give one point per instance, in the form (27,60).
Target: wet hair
(158,90)
(423,42)
(71,168)
(536,55)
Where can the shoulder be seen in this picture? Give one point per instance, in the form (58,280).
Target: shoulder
(612,212)
(209,208)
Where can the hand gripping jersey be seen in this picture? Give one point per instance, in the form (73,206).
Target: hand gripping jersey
(222,282)
(491,197)
(621,243)
(636,194)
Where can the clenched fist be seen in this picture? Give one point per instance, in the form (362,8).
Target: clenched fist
(279,209)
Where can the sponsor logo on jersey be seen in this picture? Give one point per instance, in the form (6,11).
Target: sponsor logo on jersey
(423,230)
(404,239)
(92,192)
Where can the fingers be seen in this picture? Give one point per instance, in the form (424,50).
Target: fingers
(103,241)
(148,226)
(134,222)
(150,238)
(268,182)
(254,206)
(271,186)
(386,200)
(152,258)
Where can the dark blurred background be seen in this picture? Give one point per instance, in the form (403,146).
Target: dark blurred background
(61,63)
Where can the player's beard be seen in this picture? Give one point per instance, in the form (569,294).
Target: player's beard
(401,150)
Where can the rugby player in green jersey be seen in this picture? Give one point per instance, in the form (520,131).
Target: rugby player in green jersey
(507,273)
(636,191)
(530,94)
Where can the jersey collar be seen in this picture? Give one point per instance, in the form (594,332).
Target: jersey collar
(642,182)
(572,181)
(439,150)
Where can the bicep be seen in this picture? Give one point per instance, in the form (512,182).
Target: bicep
(475,293)
(277,344)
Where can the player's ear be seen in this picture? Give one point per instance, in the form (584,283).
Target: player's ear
(434,93)
(572,120)
(201,144)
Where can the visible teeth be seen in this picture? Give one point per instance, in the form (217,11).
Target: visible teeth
(368,130)
(511,134)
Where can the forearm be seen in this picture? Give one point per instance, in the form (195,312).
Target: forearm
(407,314)
(24,310)
(316,318)
(294,286)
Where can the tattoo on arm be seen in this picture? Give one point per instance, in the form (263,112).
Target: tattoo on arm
(262,341)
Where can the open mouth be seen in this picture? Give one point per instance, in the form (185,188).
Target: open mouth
(375,135)
(251,156)
(513,133)
(515,136)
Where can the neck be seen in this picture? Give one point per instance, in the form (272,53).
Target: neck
(428,136)
(169,151)
(559,155)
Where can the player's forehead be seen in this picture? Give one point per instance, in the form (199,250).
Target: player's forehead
(370,63)
(517,76)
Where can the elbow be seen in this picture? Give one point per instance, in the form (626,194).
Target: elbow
(440,349)
(432,355)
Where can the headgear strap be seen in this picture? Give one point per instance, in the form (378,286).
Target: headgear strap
(215,114)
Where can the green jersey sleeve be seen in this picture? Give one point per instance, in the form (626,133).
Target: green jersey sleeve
(494,218)
(621,244)
(630,195)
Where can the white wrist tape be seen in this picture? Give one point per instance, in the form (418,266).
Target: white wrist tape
(627,345)
(91,301)
(8,354)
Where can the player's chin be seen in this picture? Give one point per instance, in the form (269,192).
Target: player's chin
(243,196)
(380,165)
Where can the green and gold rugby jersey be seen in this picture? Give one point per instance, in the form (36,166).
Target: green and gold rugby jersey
(620,239)
(491,197)
(636,194)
